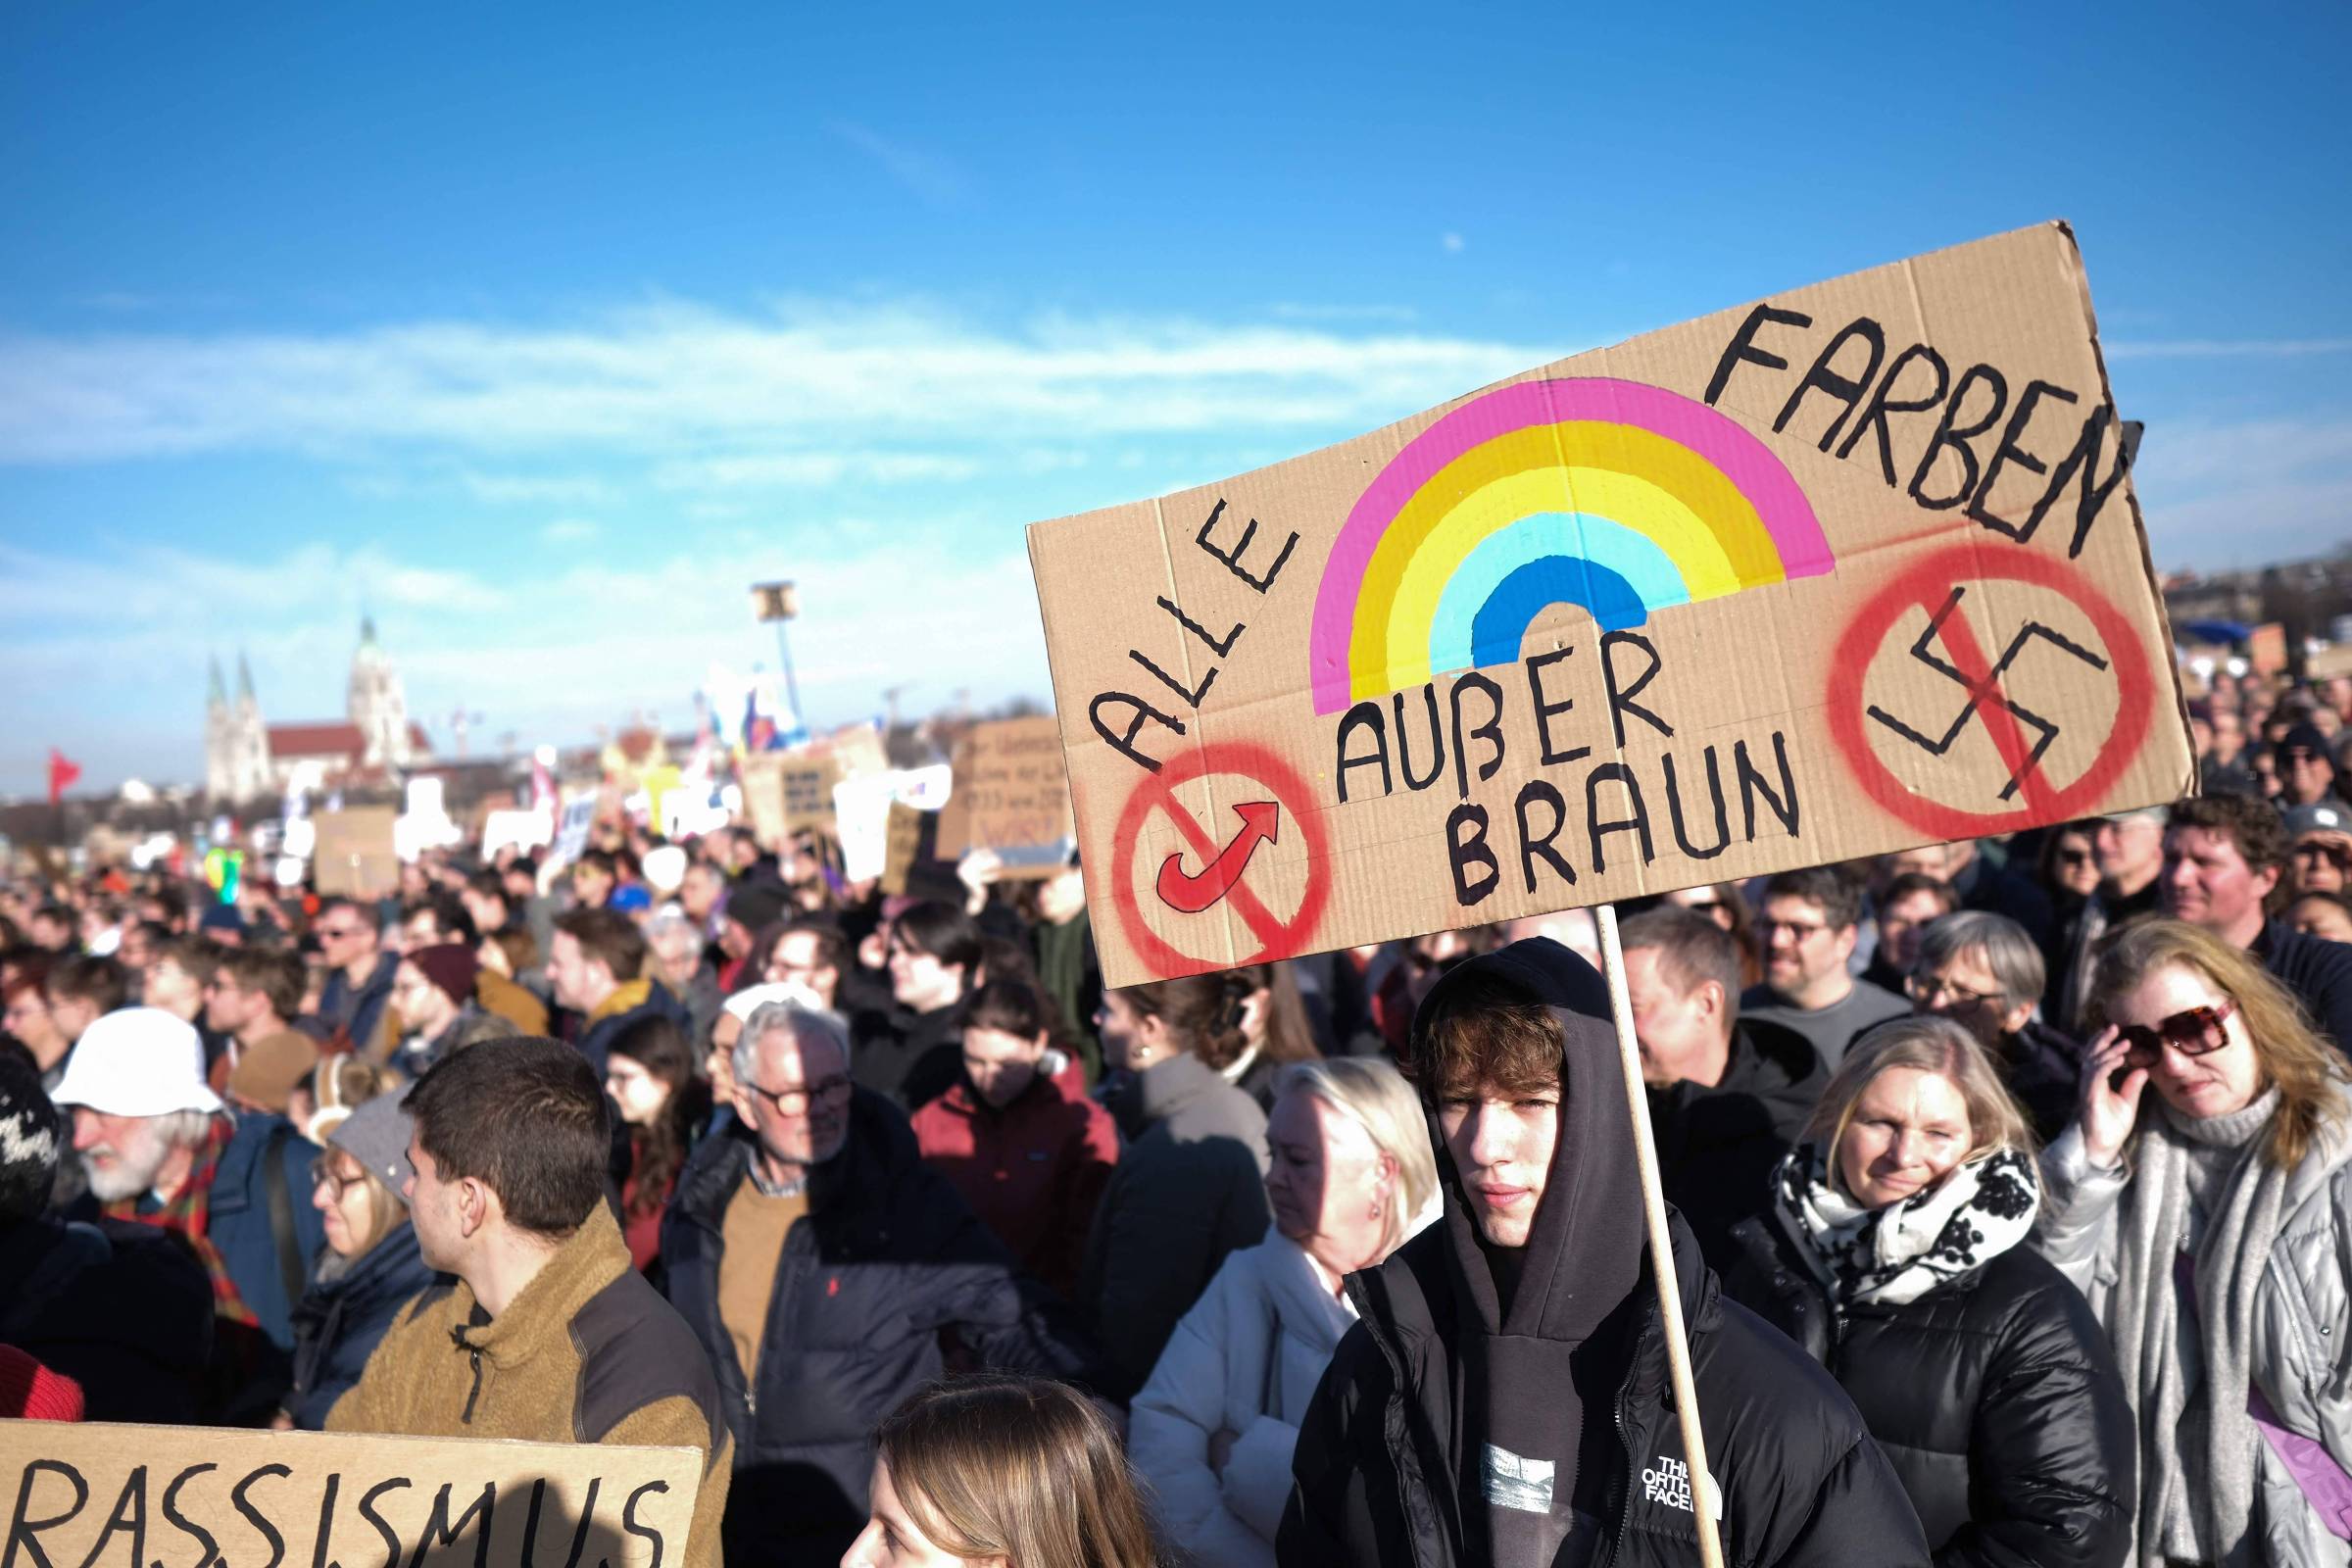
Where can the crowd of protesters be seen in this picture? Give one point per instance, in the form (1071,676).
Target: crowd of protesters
(2008,1185)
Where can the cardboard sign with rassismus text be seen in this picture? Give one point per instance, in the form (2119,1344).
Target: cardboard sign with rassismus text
(1853,569)
(182,1496)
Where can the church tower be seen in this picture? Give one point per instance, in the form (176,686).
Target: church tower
(249,754)
(379,704)
(219,775)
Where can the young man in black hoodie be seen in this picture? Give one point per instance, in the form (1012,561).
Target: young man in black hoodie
(1505,1396)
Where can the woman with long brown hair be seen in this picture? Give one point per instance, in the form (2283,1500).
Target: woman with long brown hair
(1271,1029)
(649,1073)
(1010,1472)
(2210,1225)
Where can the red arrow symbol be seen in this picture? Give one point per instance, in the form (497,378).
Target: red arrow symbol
(1189,895)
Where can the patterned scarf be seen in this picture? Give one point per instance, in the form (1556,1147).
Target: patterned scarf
(1899,1252)
(189,1213)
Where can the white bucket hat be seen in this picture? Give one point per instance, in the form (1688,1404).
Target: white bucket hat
(137,1061)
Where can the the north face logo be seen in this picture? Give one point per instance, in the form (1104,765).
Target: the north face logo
(1669,1482)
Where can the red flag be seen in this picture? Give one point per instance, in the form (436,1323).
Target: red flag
(63,771)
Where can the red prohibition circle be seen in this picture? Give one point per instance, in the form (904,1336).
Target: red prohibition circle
(1925,584)
(1279,938)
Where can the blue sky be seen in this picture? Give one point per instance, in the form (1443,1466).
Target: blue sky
(542,330)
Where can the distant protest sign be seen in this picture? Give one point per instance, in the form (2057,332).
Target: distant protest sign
(861,812)
(1012,797)
(1853,569)
(354,855)
(182,1496)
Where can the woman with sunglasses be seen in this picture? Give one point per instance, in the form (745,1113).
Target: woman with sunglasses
(2210,1224)
(370,1266)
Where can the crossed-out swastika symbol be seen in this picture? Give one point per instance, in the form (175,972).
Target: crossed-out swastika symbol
(1967,669)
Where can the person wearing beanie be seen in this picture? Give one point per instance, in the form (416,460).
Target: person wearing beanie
(371,1266)
(2307,769)
(1504,1397)
(433,990)
(30,1391)
(121,1309)
(161,1148)
(751,908)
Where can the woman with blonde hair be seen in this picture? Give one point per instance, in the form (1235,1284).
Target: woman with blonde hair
(1894,1251)
(1354,1177)
(1007,1472)
(2211,1227)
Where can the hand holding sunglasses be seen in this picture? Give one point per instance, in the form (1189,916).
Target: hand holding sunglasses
(2111,1091)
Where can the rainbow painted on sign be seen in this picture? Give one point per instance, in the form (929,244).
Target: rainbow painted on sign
(1612,495)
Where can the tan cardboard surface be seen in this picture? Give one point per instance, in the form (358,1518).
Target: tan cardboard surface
(903,844)
(354,856)
(1011,795)
(784,792)
(103,1494)
(1853,569)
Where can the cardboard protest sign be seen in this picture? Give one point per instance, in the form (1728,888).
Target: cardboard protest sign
(1854,568)
(861,812)
(902,844)
(2266,649)
(354,854)
(1011,795)
(97,1493)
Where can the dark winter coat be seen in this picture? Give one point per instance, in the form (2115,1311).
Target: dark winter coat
(2317,972)
(616,1013)
(1190,1187)
(1468,1420)
(888,1262)
(1717,1144)
(2044,1069)
(337,1323)
(125,1309)
(1994,1395)
(359,1010)
(909,1057)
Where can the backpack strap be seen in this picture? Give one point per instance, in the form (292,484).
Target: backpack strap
(281,1215)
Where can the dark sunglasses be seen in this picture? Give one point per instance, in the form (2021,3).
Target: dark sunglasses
(2193,1031)
(2073,856)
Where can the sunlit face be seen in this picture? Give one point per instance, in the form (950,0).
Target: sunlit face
(31,1020)
(1929,860)
(635,1090)
(579,984)
(891,1540)
(2323,918)
(2207,881)
(229,1007)
(718,1062)
(1122,1029)
(1900,922)
(1060,897)
(591,885)
(437,1208)
(920,981)
(2320,863)
(2214,1084)
(344,939)
(1500,1145)
(1001,1065)
(795,962)
(1330,1186)
(699,893)
(121,1155)
(1682,1033)
(422,1006)
(799,1104)
(2131,851)
(174,990)
(339,1192)
(1908,1131)
(420,930)
(1801,947)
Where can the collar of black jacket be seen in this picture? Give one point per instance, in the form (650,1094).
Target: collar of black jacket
(848,1195)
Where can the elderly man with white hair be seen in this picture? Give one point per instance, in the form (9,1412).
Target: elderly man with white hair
(821,1263)
(161,1148)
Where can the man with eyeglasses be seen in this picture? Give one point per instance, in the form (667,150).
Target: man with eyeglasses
(1810,922)
(1984,972)
(358,980)
(821,1263)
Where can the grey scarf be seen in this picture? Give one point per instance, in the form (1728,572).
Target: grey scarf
(2195,1505)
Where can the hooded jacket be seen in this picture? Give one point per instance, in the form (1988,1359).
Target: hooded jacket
(887,1263)
(124,1310)
(1718,1143)
(1533,1424)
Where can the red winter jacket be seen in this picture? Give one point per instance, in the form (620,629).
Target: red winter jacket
(1032,1171)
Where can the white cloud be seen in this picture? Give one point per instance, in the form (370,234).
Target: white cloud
(568,531)
(810,469)
(559,489)
(2219,494)
(1453,244)
(680,381)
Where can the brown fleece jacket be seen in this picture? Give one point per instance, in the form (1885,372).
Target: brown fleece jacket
(588,1353)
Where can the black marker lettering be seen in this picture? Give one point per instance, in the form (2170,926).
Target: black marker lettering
(184,1524)
(1215,645)
(1751,784)
(1847,389)
(1464,853)
(23,1530)
(1437,741)
(1742,347)
(1233,560)
(1980,506)
(438,1523)
(1598,830)
(1142,712)
(131,1514)
(259,1521)
(327,1522)
(1950,432)
(1365,715)
(1621,697)
(382,1527)
(1191,697)
(2086,457)
(628,1520)
(1884,402)
(1532,847)
(1674,808)
(1491,731)
(1545,709)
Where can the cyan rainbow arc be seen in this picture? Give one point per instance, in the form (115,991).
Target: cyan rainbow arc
(1612,495)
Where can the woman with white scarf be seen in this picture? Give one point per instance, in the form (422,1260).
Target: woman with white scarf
(1894,1251)
(2210,1223)
(1353,1179)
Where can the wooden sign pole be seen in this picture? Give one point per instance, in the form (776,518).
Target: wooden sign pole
(1661,1245)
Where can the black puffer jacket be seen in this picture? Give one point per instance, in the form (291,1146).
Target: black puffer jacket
(1464,1422)
(1718,1143)
(1994,1395)
(887,1265)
